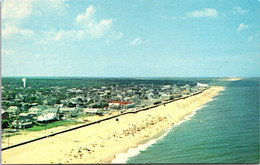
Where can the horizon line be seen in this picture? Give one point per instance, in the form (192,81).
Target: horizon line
(128,77)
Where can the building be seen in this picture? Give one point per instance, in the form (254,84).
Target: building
(69,112)
(50,110)
(22,123)
(90,111)
(5,115)
(47,117)
(165,96)
(36,111)
(120,104)
(13,110)
(202,85)
(26,116)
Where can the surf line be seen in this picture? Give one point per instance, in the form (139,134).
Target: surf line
(131,152)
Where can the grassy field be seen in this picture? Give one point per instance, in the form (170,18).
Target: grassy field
(52,125)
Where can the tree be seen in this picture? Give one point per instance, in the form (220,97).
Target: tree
(5,124)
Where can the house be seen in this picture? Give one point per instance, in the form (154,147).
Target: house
(22,123)
(47,117)
(120,104)
(114,105)
(5,115)
(26,116)
(50,110)
(90,111)
(69,112)
(130,105)
(36,111)
(13,110)
(165,96)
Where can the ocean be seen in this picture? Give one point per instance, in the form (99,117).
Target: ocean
(224,130)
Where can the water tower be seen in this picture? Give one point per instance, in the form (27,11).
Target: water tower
(24,82)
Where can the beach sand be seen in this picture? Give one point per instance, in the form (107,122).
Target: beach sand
(25,135)
(99,143)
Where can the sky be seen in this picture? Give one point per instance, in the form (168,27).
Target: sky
(130,38)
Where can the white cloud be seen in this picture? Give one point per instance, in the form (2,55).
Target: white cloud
(52,35)
(137,41)
(86,26)
(250,38)
(16,9)
(204,13)
(12,31)
(90,11)
(87,22)
(242,26)
(238,10)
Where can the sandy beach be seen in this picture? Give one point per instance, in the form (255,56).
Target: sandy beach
(99,143)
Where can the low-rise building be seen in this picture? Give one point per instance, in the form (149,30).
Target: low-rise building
(5,115)
(36,111)
(69,112)
(13,110)
(47,117)
(202,85)
(90,111)
(50,110)
(22,123)
(120,104)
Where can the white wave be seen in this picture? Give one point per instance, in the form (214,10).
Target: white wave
(123,157)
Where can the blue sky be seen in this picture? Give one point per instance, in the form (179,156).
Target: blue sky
(130,38)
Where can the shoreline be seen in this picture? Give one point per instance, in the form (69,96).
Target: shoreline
(122,158)
(100,143)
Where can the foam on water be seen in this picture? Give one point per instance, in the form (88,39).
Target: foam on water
(123,157)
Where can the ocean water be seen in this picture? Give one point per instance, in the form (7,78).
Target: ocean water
(225,130)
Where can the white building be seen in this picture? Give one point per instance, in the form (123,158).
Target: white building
(202,85)
(90,111)
(47,117)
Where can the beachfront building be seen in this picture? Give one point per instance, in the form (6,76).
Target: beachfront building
(90,111)
(165,96)
(22,123)
(120,104)
(114,105)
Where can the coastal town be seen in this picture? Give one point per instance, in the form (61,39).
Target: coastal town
(24,106)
